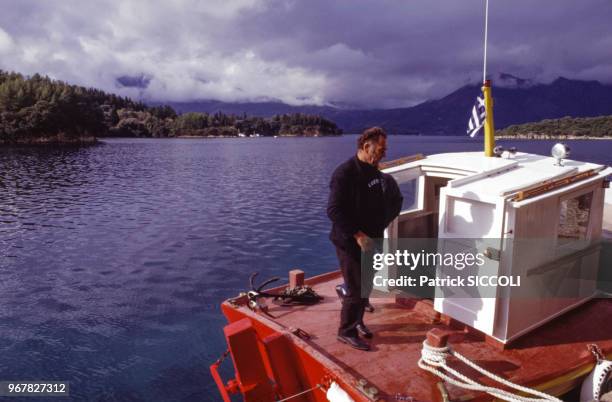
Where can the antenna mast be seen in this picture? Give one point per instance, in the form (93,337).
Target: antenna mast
(489,127)
(484,74)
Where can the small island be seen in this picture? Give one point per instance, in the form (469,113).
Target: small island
(39,110)
(568,128)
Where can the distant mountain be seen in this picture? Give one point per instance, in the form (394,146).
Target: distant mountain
(516,100)
(506,80)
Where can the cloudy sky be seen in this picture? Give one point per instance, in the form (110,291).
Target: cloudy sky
(364,53)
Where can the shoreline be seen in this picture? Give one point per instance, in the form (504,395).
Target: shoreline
(57,139)
(261,136)
(550,137)
(62,140)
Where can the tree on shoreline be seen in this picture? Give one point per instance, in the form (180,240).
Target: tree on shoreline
(35,108)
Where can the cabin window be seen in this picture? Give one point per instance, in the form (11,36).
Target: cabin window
(469,218)
(409,189)
(574,217)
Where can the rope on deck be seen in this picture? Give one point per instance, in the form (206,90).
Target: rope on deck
(433,358)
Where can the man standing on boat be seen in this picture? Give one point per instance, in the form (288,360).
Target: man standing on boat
(359,215)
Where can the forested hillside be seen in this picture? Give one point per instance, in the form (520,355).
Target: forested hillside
(38,109)
(566,127)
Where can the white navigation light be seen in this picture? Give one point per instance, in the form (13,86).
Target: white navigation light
(560,151)
(498,151)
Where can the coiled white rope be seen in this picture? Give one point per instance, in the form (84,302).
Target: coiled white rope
(433,358)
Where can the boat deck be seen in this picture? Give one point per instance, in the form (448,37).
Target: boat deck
(545,354)
(553,357)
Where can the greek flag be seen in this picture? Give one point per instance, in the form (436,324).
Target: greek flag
(477,118)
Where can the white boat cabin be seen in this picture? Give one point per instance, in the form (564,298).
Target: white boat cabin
(491,200)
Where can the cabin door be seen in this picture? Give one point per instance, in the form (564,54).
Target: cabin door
(417,224)
(470,226)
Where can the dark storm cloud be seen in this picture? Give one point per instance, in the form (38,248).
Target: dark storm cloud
(358,52)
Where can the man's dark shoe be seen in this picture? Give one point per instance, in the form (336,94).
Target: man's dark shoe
(354,342)
(369,308)
(364,331)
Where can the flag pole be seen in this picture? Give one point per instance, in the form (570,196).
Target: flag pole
(489,127)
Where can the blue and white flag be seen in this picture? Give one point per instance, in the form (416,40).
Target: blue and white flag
(477,118)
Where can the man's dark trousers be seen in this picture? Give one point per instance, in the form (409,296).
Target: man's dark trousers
(358,286)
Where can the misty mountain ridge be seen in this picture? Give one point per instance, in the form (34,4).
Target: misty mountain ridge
(506,80)
(516,101)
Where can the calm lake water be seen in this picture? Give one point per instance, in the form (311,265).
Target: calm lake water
(114,258)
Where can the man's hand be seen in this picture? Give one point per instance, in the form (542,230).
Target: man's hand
(364,241)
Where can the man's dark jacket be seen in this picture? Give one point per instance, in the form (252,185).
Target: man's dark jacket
(360,198)
(393,198)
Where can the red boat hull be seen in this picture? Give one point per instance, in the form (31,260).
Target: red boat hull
(279,355)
